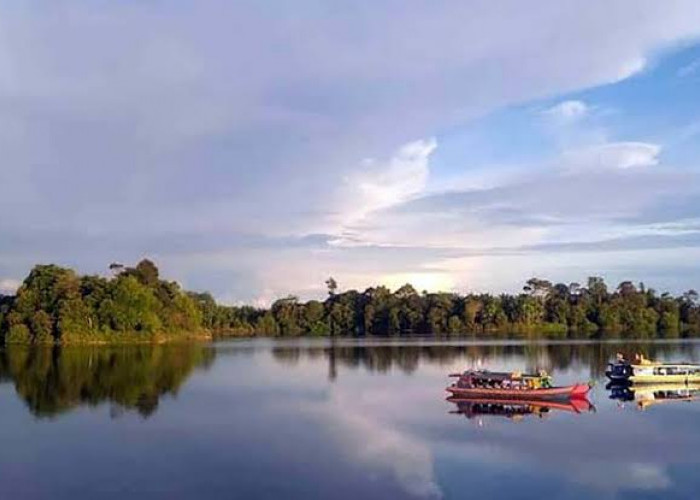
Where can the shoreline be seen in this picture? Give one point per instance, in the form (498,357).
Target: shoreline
(129,340)
(370,341)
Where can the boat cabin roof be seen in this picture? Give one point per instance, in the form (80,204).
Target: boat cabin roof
(498,376)
(667,365)
(641,360)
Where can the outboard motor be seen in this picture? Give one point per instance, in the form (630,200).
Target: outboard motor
(620,371)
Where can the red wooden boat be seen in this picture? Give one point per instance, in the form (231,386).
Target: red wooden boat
(485,384)
(564,392)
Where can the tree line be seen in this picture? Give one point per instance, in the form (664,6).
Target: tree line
(544,308)
(54,304)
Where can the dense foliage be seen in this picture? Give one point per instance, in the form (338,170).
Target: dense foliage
(54,304)
(543,308)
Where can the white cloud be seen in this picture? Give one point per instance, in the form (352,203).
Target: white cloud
(689,69)
(376,185)
(404,176)
(621,155)
(568,111)
(527,209)
(9,285)
(631,67)
(213,118)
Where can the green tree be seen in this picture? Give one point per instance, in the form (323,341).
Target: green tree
(131,307)
(332,286)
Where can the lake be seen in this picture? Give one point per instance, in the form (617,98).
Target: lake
(332,419)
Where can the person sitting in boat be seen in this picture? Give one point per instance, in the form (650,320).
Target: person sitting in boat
(545,380)
(639,359)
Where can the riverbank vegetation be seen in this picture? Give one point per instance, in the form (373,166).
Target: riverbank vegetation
(543,308)
(54,304)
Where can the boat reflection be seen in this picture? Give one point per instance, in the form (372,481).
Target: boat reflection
(645,396)
(516,409)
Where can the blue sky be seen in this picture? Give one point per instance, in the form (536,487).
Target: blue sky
(255,148)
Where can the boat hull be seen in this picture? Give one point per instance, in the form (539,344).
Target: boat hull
(653,373)
(665,379)
(665,374)
(553,393)
(616,377)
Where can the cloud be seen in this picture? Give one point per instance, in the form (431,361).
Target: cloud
(589,201)
(9,285)
(567,111)
(378,185)
(202,129)
(689,69)
(544,205)
(620,155)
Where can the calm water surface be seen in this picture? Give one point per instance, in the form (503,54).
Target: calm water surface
(315,419)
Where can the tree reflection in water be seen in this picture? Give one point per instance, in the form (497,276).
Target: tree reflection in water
(407,357)
(53,380)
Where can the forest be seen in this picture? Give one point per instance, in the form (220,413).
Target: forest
(56,305)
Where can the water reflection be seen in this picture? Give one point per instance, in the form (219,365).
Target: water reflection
(55,380)
(407,358)
(605,454)
(646,396)
(514,409)
(332,419)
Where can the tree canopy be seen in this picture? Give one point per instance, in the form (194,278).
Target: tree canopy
(54,304)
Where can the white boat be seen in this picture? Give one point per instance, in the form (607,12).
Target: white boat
(645,371)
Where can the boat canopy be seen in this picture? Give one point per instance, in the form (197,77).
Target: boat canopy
(499,376)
